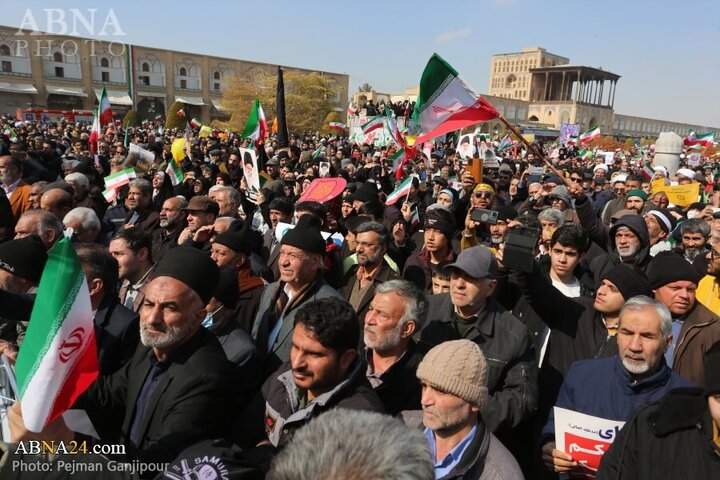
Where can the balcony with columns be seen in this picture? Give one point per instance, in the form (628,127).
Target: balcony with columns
(573,84)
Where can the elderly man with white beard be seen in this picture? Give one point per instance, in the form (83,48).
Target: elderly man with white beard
(396,312)
(178,388)
(615,387)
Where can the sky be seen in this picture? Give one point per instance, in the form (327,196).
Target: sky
(666,51)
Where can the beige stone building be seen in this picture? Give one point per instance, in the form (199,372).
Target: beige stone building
(58,72)
(510,73)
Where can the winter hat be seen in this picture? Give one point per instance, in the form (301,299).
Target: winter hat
(457,367)
(637,193)
(561,192)
(668,267)
(226,291)
(712,369)
(282,204)
(234,241)
(367,192)
(193,268)
(306,235)
(25,257)
(441,220)
(629,280)
(665,219)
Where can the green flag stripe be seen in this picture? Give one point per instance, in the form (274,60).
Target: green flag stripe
(52,304)
(437,75)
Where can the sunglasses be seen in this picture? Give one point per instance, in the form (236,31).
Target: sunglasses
(483,195)
(576,180)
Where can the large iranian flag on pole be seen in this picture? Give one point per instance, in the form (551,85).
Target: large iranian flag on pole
(256,126)
(58,358)
(706,140)
(446,103)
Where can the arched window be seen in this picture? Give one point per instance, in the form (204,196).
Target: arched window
(183,71)
(145,67)
(216,75)
(104,63)
(4,50)
(57,57)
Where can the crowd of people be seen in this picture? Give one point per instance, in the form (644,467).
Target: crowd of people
(438,335)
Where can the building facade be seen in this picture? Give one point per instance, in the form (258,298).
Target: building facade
(510,73)
(58,72)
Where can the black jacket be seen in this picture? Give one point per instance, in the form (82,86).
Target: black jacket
(386,273)
(400,388)
(509,351)
(193,401)
(117,332)
(665,440)
(577,333)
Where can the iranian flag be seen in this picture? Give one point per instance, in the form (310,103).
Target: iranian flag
(118,179)
(256,127)
(158,117)
(373,124)
(195,122)
(589,135)
(446,103)
(351,110)
(106,113)
(109,195)
(181,113)
(94,133)
(175,172)
(572,140)
(401,191)
(337,125)
(58,359)
(706,140)
(10,133)
(399,160)
(316,153)
(647,172)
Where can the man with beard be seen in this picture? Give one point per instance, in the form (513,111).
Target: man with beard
(172,223)
(660,223)
(139,204)
(615,387)
(396,312)
(132,250)
(201,214)
(695,233)
(16,190)
(635,200)
(323,372)
(176,389)
(362,279)
(454,378)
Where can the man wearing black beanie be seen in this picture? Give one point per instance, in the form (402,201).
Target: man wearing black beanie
(178,386)
(580,328)
(695,327)
(301,281)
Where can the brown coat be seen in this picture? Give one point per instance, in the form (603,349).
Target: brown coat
(700,330)
(20,199)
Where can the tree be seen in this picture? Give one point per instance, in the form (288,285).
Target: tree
(331,117)
(173,119)
(309,97)
(131,119)
(365,87)
(629,143)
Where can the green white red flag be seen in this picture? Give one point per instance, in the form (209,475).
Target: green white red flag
(373,124)
(256,127)
(58,358)
(337,125)
(94,133)
(505,143)
(175,172)
(196,123)
(118,179)
(446,103)
(401,191)
(706,140)
(589,135)
(106,113)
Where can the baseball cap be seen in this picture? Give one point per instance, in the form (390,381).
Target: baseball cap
(476,262)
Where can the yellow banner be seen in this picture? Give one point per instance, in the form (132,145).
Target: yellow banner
(680,195)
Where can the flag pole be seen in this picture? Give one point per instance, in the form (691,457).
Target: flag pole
(534,150)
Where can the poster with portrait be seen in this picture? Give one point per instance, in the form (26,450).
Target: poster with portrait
(466,146)
(251,172)
(568,130)
(585,438)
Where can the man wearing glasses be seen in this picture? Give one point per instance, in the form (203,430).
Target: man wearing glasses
(359,284)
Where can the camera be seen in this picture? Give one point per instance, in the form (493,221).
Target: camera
(519,251)
(481,215)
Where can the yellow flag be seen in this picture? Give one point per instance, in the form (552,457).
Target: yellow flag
(178,149)
(679,195)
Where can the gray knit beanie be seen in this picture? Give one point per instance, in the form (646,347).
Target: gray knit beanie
(457,367)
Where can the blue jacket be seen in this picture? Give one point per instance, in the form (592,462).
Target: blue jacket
(602,387)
